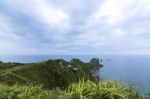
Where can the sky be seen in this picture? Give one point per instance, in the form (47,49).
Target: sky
(68,27)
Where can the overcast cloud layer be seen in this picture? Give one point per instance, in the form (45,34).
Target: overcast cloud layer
(74,27)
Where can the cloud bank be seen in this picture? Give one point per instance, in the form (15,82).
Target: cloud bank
(74,27)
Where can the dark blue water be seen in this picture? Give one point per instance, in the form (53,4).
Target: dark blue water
(129,69)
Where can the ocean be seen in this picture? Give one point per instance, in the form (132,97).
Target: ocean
(128,69)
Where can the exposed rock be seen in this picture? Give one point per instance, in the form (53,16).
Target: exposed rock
(69,66)
(75,69)
(95,63)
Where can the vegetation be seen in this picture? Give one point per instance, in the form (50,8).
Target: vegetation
(50,74)
(81,90)
(101,90)
(59,79)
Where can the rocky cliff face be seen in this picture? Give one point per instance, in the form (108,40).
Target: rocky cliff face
(95,63)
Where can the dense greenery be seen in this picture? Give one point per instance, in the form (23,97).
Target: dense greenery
(59,79)
(101,90)
(81,90)
(51,73)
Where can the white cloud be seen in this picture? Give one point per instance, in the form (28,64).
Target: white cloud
(7,31)
(145,4)
(41,11)
(49,14)
(116,11)
(113,10)
(15,33)
(118,33)
(114,25)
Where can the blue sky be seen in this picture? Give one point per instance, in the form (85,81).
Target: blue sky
(32,27)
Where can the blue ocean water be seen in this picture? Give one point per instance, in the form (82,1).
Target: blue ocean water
(128,69)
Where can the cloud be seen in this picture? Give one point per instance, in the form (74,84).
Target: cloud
(7,30)
(28,24)
(74,27)
(41,11)
(119,25)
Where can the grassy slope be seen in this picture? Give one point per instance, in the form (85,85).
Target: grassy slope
(51,73)
(81,90)
(17,81)
(5,66)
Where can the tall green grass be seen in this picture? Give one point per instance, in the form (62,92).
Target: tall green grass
(27,92)
(101,90)
(81,90)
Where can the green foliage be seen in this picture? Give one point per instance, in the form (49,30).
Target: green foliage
(59,79)
(27,92)
(81,90)
(101,90)
(9,65)
(50,74)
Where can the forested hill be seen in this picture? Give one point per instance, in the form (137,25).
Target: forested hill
(50,73)
(60,79)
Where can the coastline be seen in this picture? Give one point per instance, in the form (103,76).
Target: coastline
(60,75)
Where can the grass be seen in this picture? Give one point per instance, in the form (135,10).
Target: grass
(102,90)
(81,90)
(26,92)
(45,73)
(59,79)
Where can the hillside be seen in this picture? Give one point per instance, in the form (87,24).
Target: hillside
(49,74)
(60,79)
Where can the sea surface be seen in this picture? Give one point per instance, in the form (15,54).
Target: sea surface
(125,68)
